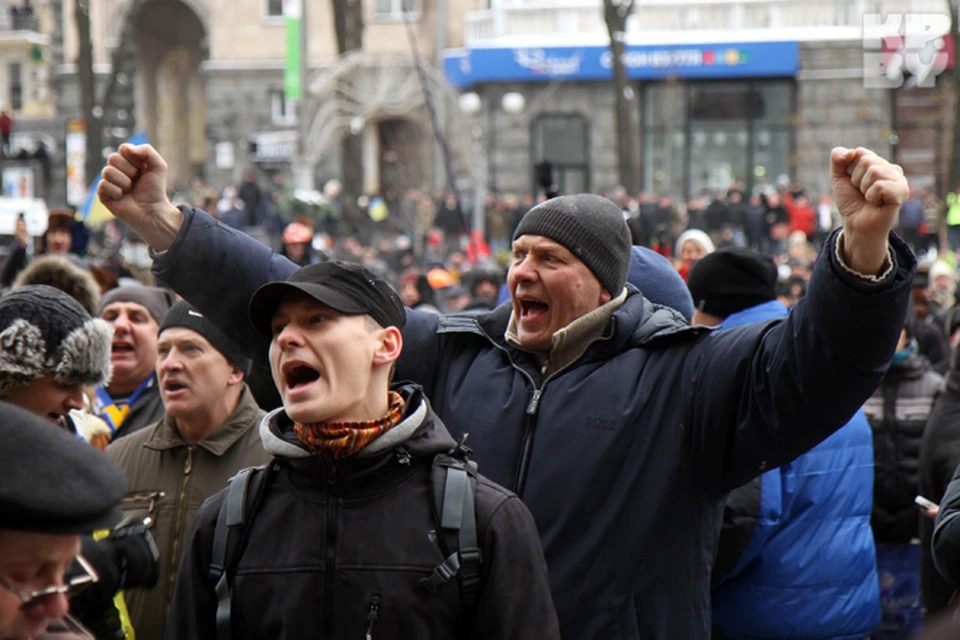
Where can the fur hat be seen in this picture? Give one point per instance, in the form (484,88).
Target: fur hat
(45,331)
(63,274)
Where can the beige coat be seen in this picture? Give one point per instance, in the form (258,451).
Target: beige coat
(169,480)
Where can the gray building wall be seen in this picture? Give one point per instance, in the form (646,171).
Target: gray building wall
(834,108)
(238,107)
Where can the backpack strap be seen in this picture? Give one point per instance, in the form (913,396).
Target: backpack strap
(457,516)
(243,494)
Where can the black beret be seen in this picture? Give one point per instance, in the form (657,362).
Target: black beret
(54,482)
(732,279)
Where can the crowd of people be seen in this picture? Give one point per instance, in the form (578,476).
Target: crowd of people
(285,414)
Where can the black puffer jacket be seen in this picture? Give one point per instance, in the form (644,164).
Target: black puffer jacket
(898,412)
(939,458)
(338,551)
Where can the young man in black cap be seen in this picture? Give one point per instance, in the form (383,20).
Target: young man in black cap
(803,528)
(131,400)
(209,432)
(55,489)
(343,539)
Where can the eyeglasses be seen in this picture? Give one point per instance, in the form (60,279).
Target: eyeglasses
(75,581)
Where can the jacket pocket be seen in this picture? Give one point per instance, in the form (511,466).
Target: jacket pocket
(373,612)
(141,506)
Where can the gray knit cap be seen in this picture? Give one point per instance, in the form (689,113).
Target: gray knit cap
(156,300)
(42,331)
(592,228)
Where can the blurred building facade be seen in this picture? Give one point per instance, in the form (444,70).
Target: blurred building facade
(722,90)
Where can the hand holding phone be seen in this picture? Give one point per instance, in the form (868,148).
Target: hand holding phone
(930,507)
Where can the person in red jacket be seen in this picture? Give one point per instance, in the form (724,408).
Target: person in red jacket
(802,215)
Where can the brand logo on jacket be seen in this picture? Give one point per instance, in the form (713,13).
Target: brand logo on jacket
(601,423)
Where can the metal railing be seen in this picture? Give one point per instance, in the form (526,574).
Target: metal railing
(531,18)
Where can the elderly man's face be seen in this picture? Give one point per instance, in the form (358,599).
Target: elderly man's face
(134,349)
(31,562)
(550,288)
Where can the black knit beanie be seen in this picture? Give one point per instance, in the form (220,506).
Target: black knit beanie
(592,228)
(731,280)
(184,315)
(45,331)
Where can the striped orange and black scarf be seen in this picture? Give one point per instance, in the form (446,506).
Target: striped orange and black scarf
(344,439)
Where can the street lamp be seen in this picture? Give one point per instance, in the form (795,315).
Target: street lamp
(471,104)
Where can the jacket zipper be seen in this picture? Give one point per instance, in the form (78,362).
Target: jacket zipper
(532,407)
(526,449)
(175,556)
(372,614)
(330,578)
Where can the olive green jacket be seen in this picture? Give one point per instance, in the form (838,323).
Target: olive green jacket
(169,480)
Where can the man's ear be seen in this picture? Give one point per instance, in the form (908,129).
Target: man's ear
(237,375)
(605,296)
(390,346)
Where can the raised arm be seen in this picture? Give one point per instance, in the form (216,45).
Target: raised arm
(216,268)
(764,394)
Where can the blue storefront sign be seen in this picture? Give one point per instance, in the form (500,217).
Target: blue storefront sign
(466,67)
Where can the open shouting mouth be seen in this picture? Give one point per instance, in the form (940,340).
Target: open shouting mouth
(299,375)
(532,309)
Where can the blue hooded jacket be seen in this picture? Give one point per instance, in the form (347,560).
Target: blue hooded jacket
(809,568)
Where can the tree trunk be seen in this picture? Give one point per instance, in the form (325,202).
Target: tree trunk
(348,23)
(953,172)
(96,108)
(615,15)
(88,92)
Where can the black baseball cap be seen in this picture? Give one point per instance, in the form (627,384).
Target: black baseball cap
(342,286)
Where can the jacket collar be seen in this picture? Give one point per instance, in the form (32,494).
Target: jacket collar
(166,436)
(276,432)
(570,342)
(636,322)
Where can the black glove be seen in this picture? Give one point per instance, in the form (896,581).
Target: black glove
(137,552)
(128,557)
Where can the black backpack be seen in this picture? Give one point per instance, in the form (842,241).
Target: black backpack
(453,490)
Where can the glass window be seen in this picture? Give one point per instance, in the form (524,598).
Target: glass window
(562,141)
(776,100)
(703,135)
(665,104)
(718,156)
(663,166)
(394,9)
(772,154)
(273,8)
(15,78)
(718,101)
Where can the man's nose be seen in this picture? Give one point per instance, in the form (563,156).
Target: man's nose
(53,607)
(289,336)
(75,399)
(523,270)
